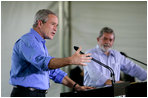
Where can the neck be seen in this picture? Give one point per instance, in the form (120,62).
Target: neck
(107,53)
(38,31)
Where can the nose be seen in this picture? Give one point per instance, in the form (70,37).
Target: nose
(55,28)
(106,41)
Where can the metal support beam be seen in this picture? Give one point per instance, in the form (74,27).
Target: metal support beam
(65,34)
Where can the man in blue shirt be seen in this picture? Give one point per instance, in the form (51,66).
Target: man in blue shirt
(32,66)
(96,75)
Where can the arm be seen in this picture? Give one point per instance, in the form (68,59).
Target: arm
(76,59)
(129,67)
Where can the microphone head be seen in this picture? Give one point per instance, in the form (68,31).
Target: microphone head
(76,48)
(123,54)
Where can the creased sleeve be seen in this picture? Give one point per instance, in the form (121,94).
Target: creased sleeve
(129,67)
(57,75)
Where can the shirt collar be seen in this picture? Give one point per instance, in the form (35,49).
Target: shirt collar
(37,35)
(101,52)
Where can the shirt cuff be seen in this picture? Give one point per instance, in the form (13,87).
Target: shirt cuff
(60,76)
(143,76)
(46,62)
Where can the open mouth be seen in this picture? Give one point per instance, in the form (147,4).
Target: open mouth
(53,33)
(106,45)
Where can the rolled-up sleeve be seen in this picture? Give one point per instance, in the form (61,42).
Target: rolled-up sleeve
(57,75)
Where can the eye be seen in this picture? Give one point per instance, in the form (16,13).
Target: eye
(105,38)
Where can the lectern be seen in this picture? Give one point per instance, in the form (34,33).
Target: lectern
(117,89)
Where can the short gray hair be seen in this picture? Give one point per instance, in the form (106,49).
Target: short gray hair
(42,15)
(106,30)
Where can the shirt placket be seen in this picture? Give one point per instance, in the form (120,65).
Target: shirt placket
(45,48)
(46,53)
(108,64)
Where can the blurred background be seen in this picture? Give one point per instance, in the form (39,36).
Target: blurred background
(79,24)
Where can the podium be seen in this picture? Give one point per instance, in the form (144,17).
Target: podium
(118,89)
(136,89)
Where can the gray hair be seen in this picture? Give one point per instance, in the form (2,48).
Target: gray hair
(42,15)
(106,30)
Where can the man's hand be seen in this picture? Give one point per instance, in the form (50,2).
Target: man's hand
(82,88)
(80,59)
(70,83)
(109,82)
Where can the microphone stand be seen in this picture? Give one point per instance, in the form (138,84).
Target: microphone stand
(109,68)
(133,58)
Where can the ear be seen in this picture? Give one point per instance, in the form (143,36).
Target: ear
(39,23)
(98,39)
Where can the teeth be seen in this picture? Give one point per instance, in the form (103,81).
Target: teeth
(106,45)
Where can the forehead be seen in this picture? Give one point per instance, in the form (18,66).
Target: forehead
(52,17)
(108,35)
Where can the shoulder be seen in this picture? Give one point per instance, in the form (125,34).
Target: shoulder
(28,39)
(116,53)
(93,50)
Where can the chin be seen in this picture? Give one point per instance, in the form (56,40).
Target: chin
(51,38)
(105,49)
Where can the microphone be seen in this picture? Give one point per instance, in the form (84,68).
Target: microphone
(133,58)
(109,68)
(76,48)
(123,54)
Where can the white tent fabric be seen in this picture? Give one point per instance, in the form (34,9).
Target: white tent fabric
(127,19)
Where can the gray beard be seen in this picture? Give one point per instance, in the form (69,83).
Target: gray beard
(103,49)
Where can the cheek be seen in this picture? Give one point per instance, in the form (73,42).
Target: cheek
(102,42)
(49,34)
(111,43)
(48,31)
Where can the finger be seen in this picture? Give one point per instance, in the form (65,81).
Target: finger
(88,54)
(90,87)
(80,48)
(87,61)
(85,57)
(83,64)
(88,58)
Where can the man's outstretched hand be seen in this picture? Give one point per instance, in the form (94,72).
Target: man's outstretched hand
(80,59)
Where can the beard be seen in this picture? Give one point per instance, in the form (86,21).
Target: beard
(105,47)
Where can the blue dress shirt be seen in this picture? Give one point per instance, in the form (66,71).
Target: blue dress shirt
(30,63)
(96,75)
